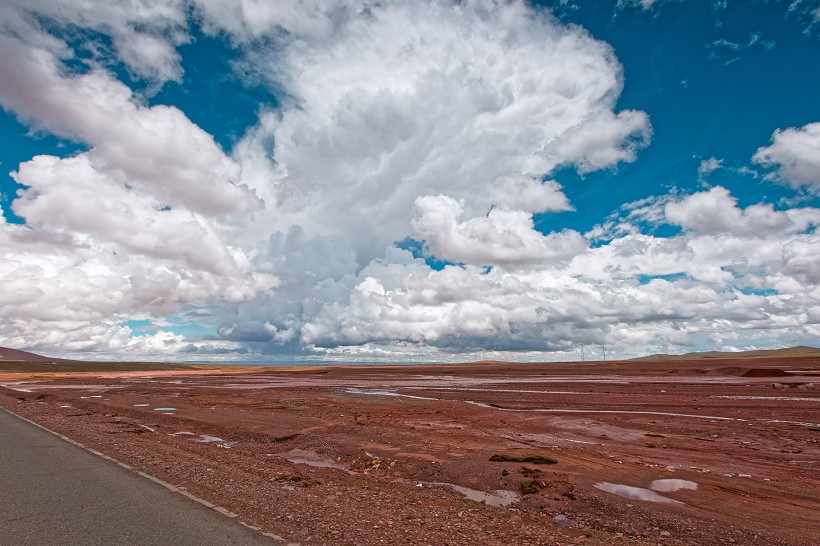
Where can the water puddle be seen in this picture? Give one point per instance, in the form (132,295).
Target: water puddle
(141,405)
(421,382)
(389,393)
(165,409)
(149,429)
(786,398)
(15,386)
(207,439)
(795,423)
(311,458)
(670,485)
(500,497)
(619,412)
(490,389)
(543,410)
(636,493)
(31,387)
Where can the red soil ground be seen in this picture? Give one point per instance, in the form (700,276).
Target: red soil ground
(365,455)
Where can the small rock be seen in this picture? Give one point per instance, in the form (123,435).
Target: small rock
(777,385)
(666,534)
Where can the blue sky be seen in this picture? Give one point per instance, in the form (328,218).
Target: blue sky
(366,181)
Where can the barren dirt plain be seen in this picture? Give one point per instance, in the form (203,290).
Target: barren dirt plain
(698,452)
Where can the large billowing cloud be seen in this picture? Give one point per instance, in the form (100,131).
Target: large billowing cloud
(406,101)
(436,125)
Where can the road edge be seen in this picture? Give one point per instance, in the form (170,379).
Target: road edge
(224,512)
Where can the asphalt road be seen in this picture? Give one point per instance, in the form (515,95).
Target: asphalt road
(52,492)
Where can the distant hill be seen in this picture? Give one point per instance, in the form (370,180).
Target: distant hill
(7,354)
(788,352)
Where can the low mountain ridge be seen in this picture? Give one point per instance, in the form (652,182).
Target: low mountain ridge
(787,352)
(7,354)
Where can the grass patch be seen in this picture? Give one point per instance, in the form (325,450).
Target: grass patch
(530,486)
(529,458)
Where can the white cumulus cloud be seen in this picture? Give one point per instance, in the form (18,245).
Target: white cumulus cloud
(795,154)
(503,237)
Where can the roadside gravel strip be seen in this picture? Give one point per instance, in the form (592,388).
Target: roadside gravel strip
(53,490)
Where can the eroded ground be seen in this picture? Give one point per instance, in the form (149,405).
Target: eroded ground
(714,452)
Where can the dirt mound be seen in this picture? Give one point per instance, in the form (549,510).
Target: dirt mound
(765,372)
(727,370)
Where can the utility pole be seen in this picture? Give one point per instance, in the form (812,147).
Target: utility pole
(583,356)
(603,348)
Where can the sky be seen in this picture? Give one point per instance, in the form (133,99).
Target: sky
(358,180)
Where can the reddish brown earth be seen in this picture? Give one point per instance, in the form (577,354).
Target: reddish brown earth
(383,442)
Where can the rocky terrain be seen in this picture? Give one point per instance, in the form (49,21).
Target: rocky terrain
(717,451)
